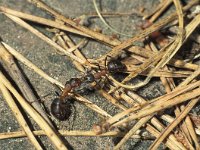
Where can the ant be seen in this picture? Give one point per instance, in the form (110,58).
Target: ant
(61,107)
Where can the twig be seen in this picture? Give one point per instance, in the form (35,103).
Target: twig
(19,79)
(43,37)
(19,134)
(132,131)
(105,23)
(25,61)
(52,80)
(174,124)
(34,114)
(41,20)
(17,113)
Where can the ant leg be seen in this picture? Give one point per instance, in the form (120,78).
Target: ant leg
(40,99)
(105,62)
(73,117)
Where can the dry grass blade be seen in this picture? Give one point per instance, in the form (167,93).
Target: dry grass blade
(171,50)
(105,23)
(191,130)
(52,80)
(169,142)
(169,86)
(154,121)
(191,77)
(92,106)
(182,64)
(190,127)
(19,134)
(43,37)
(20,80)
(111,99)
(103,38)
(150,109)
(164,5)
(154,102)
(160,127)
(96,35)
(156,26)
(11,103)
(34,114)
(64,41)
(137,126)
(161,73)
(40,20)
(178,119)
(25,61)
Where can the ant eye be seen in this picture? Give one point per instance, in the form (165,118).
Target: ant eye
(90,78)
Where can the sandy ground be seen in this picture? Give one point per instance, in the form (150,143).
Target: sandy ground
(60,67)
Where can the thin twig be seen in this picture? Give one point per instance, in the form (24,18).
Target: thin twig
(17,113)
(34,114)
(20,80)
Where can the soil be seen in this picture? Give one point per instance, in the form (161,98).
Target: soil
(61,68)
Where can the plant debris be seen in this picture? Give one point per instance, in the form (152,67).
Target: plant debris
(165,119)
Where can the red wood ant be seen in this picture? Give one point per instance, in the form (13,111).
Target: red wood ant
(61,107)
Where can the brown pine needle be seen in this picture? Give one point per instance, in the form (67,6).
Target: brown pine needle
(41,20)
(52,80)
(18,134)
(152,109)
(137,126)
(17,113)
(34,114)
(43,37)
(169,128)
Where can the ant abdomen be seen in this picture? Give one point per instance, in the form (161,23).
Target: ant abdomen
(60,109)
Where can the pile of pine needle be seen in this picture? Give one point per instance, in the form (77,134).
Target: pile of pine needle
(154,59)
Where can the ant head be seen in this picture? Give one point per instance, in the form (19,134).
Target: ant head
(115,65)
(74,82)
